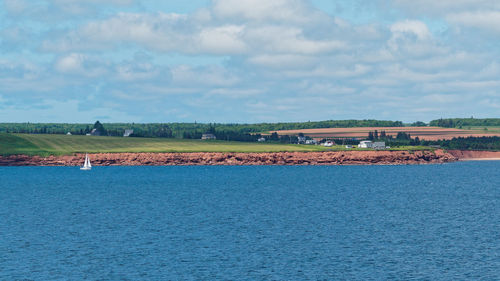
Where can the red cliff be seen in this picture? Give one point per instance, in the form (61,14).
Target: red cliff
(279,158)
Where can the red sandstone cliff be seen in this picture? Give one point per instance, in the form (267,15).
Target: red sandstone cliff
(475,155)
(279,158)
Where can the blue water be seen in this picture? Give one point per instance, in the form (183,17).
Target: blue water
(434,222)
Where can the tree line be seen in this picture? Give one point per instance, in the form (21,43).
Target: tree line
(187,130)
(465,122)
(460,143)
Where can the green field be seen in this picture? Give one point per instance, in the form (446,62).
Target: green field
(65,145)
(11,144)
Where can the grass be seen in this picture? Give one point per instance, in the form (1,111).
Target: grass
(45,145)
(12,144)
(67,145)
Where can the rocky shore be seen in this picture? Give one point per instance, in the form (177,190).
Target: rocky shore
(475,155)
(280,158)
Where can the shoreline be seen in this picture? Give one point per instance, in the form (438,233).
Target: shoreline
(238,159)
(256,159)
(475,155)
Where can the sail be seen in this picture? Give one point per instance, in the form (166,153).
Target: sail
(86,164)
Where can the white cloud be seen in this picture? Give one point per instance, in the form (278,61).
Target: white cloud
(214,76)
(444,7)
(289,11)
(487,20)
(222,40)
(249,59)
(414,27)
(70,63)
(178,33)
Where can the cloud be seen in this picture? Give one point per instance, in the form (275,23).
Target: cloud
(417,28)
(179,33)
(444,7)
(486,20)
(254,60)
(15,6)
(70,63)
(280,11)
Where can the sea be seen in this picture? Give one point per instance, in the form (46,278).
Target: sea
(428,222)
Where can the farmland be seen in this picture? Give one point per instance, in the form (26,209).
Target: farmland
(44,145)
(424,133)
(66,145)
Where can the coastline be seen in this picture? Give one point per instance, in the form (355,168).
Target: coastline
(475,155)
(238,159)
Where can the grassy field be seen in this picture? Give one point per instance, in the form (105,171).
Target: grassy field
(66,145)
(45,145)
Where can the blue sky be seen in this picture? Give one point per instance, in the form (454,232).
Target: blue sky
(248,61)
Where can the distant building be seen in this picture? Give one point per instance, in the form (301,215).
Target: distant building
(95,132)
(261,140)
(365,144)
(208,137)
(69,134)
(313,142)
(370,144)
(328,144)
(301,139)
(128,133)
(349,146)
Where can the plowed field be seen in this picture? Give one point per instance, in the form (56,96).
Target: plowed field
(424,133)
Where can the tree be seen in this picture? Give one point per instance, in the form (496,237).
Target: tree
(274,137)
(99,128)
(418,124)
(370,135)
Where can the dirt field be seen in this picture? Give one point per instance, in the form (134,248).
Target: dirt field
(424,133)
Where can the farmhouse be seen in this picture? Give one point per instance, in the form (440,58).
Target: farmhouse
(128,133)
(328,144)
(208,137)
(370,144)
(95,132)
(379,145)
(365,144)
(301,139)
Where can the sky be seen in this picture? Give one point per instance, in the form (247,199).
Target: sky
(248,61)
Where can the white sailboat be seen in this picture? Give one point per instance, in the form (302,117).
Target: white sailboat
(87,166)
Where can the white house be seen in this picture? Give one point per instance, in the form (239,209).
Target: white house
(365,144)
(379,145)
(208,137)
(261,140)
(128,133)
(370,144)
(311,142)
(328,144)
